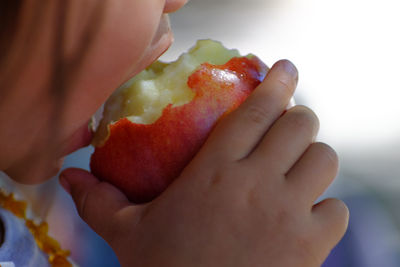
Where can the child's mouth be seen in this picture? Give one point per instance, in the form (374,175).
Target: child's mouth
(161,41)
(164,28)
(79,139)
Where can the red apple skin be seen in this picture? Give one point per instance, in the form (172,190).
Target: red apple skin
(142,160)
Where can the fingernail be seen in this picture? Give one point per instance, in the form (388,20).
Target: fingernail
(288,68)
(64,183)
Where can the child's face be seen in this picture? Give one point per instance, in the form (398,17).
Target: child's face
(129,36)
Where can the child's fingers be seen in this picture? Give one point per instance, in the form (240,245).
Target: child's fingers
(314,172)
(97,202)
(173,5)
(331,217)
(239,132)
(287,139)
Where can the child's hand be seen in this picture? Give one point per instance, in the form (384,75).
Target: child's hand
(247,199)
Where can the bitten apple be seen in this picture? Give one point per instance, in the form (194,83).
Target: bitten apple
(154,124)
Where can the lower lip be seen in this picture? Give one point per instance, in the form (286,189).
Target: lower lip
(161,41)
(164,28)
(81,138)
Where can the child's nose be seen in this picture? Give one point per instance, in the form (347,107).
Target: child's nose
(173,5)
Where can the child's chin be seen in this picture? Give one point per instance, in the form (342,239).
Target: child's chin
(35,173)
(52,171)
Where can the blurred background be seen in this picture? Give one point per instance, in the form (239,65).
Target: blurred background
(347,53)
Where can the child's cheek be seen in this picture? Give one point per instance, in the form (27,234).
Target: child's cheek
(124,34)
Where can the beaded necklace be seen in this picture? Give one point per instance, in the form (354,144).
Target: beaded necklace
(57,257)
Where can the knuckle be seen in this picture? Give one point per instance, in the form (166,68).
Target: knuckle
(327,153)
(85,210)
(340,209)
(82,207)
(286,85)
(257,114)
(339,212)
(284,217)
(219,175)
(304,118)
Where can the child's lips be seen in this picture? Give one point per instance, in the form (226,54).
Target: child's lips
(81,138)
(164,28)
(161,41)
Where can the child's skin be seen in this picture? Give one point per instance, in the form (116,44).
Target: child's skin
(247,198)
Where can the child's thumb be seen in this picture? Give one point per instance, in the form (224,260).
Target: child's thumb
(97,202)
